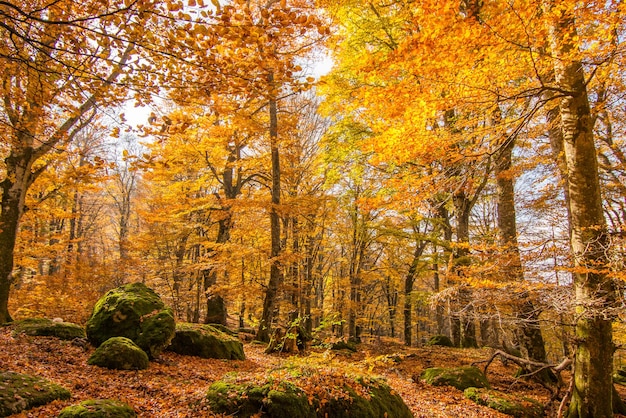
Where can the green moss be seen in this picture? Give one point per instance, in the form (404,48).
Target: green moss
(344,345)
(98,408)
(299,393)
(48,328)
(205,341)
(133,311)
(505,403)
(440,340)
(224,329)
(282,400)
(19,392)
(157,331)
(382,402)
(459,377)
(288,401)
(119,353)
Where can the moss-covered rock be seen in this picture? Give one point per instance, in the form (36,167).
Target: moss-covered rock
(19,392)
(459,377)
(119,353)
(440,340)
(133,311)
(224,329)
(281,400)
(48,328)
(205,341)
(344,345)
(307,393)
(521,407)
(98,408)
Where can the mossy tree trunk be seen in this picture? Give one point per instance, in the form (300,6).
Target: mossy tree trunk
(595,292)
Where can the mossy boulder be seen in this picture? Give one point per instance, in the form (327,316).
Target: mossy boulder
(519,407)
(458,377)
(136,312)
(344,345)
(224,329)
(119,353)
(206,341)
(48,328)
(440,340)
(281,400)
(98,408)
(19,392)
(307,393)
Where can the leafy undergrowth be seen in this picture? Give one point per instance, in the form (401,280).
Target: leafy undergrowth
(175,385)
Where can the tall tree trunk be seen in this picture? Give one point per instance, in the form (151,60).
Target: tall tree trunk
(443,326)
(595,292)
(355,284)
(276,275)
(529,331)
(465,320)
(555,134)
(409,281)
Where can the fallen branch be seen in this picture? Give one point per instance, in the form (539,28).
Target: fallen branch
(520,361)
(537,367)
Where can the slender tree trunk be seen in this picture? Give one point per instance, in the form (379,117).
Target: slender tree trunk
(529,331)
(409,281)
(392,303)
(408,305)
(355,286)
(309,284)
(276,275)
(444,326)
(439,309)
(463,320)
(595,292)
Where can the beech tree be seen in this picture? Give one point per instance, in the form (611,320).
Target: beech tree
(60,61)
(595,290)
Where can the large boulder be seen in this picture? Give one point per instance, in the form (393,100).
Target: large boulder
(136,312)
(19,392)
(459,377)
(48,328)
(119,353)
(98,408)
(306,393)
(519,407)
(206,341)
(440,340)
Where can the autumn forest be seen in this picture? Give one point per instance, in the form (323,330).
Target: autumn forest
(363,171)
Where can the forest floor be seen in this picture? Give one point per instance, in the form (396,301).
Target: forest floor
(175,385)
